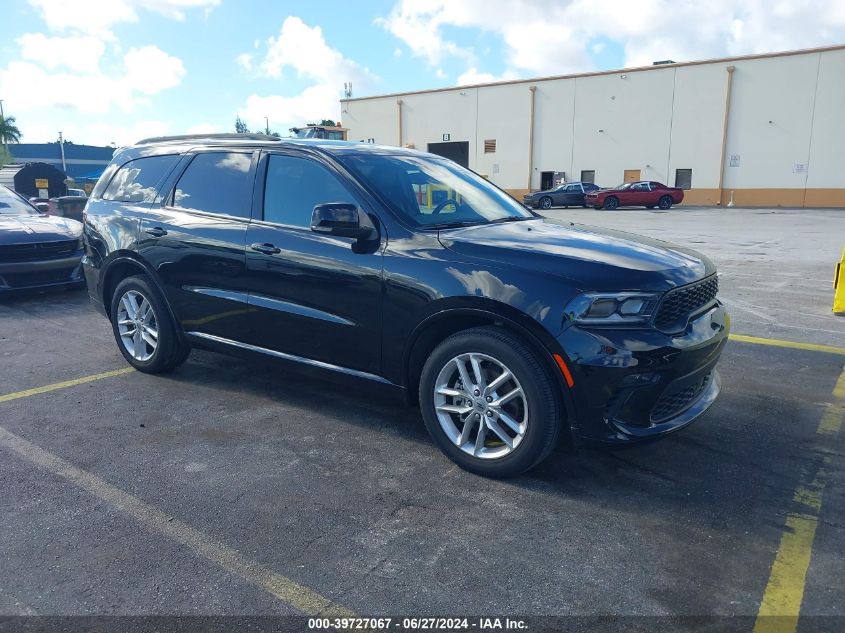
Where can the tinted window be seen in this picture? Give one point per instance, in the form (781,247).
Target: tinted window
(216,182)
(588,186)
(138,179)
(12,204)
(295,186)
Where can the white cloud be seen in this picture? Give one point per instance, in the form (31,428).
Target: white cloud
(312,104)
(96,132)
(150,70)
(302,51)
(472,76)
(418,22)
(98,16)
(244,60)
(203,128)
(145,71)
(543,37)
(81,53)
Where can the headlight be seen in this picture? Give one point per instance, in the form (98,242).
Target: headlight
(607,309)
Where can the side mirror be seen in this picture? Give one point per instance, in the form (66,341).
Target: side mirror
(44,207)
(341,219)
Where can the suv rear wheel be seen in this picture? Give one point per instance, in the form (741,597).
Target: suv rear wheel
(488,403)
(143,328)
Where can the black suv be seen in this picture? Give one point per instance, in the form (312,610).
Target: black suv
(404,268)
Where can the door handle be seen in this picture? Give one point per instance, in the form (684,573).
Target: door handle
(267,249)
(156,231)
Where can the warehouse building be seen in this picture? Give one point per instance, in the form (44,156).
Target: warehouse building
(82,164)
(763,130)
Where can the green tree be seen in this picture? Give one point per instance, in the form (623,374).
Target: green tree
(9,132)
(5,156)
(328,123)
(240,126)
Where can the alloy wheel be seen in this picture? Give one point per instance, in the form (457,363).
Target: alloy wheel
(481,406)
(137,325)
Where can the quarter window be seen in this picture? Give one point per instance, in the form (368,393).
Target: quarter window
(137,180)
(216,182)
(295,186)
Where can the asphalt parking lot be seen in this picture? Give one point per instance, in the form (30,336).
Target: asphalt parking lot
(230,487)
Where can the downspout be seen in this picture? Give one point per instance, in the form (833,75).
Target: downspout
(399,118)
(533,90)
(730,70)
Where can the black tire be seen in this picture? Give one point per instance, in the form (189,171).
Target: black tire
(544,408)
(171,351)
(665,202)
(545,202)
(611,203)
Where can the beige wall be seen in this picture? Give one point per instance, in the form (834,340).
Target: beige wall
(786,125)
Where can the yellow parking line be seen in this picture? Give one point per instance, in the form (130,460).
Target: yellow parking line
(784,593)
(781,603)
(299,597)
(776,342)
(64,385)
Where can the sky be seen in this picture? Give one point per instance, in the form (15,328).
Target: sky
(116,71)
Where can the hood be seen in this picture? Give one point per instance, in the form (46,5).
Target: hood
(592,258)
(27,229)
(537,193)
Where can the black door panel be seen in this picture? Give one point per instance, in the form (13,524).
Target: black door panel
(311,295)
(195,239)
(200,260)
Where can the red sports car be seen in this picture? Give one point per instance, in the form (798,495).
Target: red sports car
(645,193)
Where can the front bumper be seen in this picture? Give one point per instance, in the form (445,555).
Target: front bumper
(45,273)
(633,385)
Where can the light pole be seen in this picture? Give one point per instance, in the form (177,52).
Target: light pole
(62,149)
(267,126)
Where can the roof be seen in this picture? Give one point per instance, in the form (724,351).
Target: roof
(188,141)
(79,159)
(658,67)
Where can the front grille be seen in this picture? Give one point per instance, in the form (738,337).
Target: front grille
(675,402)
(34,252)
(23,280)
(679,304)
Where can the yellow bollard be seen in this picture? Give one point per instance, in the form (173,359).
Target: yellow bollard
(839,287)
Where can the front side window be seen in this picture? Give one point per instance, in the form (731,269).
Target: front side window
(295,185)
(137,180)
(216,182)
(433,193)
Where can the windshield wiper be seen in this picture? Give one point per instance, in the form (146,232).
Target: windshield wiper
(511,218)
(453,225)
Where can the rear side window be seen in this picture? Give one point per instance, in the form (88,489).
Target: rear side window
(295,186)
(137,180)
(216,182)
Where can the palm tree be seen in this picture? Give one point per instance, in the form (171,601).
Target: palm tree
(9,132)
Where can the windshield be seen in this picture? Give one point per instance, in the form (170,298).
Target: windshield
(433,193)
(12,204)
(624,185)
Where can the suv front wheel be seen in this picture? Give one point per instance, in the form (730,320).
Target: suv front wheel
(488,403)
(143,328)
